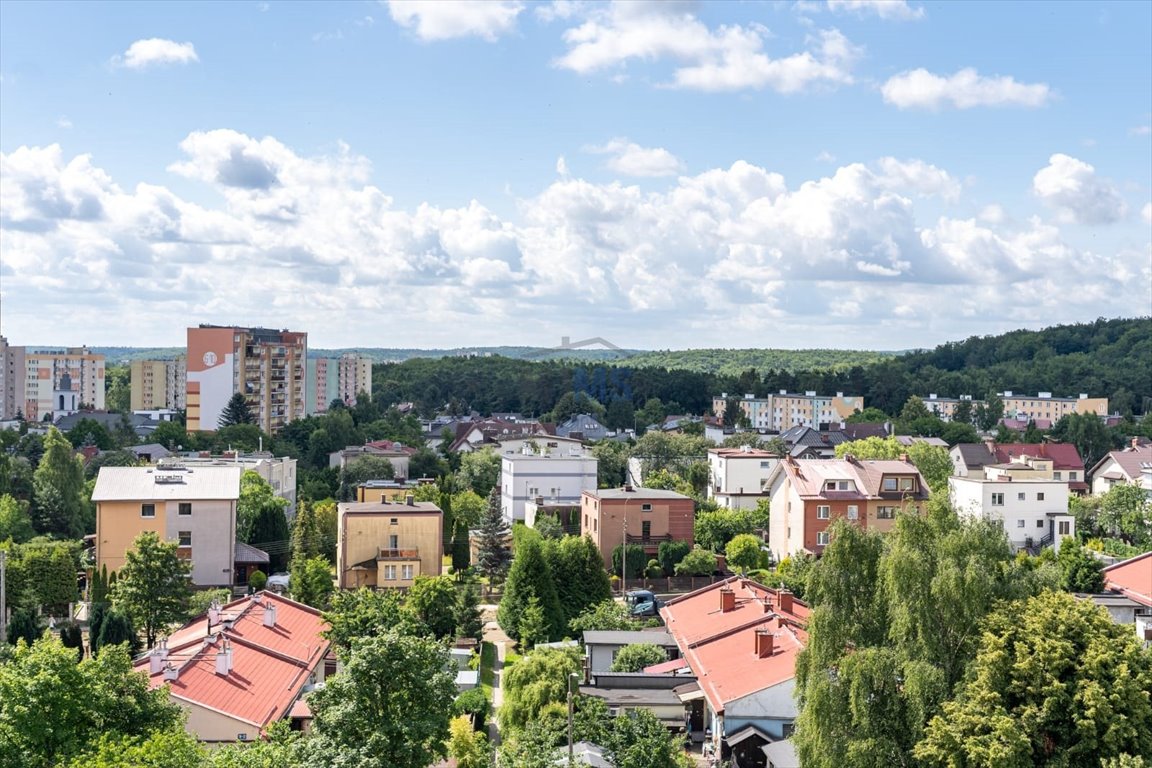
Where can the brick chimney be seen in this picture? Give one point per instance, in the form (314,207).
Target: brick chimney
(785,601)
(767,603)
(764,643)
(727,600)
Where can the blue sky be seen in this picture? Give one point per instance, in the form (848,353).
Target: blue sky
(857,174)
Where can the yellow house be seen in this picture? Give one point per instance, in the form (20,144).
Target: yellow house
(384,544)
(195,507)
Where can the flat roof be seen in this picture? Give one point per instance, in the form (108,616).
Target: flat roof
(386,508)
(626,637)
(636,493)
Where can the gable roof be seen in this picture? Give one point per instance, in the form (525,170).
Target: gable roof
(1132,578)
(1129,461)
(270,665)
(1063,455)
(720,645)
(974,455)
(810,476)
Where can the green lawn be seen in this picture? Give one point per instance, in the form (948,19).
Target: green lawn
(487,668)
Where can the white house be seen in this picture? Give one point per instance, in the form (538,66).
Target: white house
(556,477)
(1133,466)
(1034,513)
(737,476)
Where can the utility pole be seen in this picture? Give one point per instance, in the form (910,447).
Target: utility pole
(3,596)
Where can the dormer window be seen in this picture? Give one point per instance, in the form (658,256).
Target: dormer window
(839,485)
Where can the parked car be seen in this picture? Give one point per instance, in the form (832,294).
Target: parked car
(642,602)
(278,581)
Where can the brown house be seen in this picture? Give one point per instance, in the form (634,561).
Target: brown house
(384,545)
(646,516)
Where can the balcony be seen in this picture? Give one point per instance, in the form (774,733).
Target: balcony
(398,554)
(651,540)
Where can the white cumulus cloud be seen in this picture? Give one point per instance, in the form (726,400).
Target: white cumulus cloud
(448,19)
(727,58)
(921,89)
(155,51)
(1072,188)
(885,9)
(630,159)
(1146,213)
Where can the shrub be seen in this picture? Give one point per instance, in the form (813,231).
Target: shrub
(257,579)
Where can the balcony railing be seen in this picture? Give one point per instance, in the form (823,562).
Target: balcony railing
(398,554)
(651,539)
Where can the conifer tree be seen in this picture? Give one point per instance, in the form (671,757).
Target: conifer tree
(529,577)
(493,555)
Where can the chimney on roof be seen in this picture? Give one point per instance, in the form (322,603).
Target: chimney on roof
(904,458)
(767,603)
(224,658)
(1135,443)
(410,500)
(269,613)
(764,643)
(158,657)
(785,601)
(727,600)
(628,488)
(171,673)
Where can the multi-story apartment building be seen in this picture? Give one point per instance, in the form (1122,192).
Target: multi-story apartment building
(737,476)
(278,471)
(1061,461)
(267,366)
(556,478)
(785,410)
(382,545)
(340,378)
(49,383)
(1023,407)
(807,495)
(644,516)
(195,507)
(1023,497)
(159,384)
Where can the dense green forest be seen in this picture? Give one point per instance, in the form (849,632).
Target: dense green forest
(1111,358)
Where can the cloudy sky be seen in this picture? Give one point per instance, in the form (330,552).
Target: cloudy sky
(848,173)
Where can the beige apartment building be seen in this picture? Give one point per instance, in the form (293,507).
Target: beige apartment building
(1023,407)
(267,366)
(785,410)
(195,507)
(159,384)
(49,383)
(384,545)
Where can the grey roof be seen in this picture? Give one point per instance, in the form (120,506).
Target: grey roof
(636,493)
(246,553)
(782,754)
(378,508)
(634,697)
(975,455)
(625,637)
(152,450)
(149,484)
(584,753)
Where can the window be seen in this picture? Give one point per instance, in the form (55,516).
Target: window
(822,512)
(147,510)
(822,538)
(406,572)
(889,483)
(853,512)
(394,521)
(393,541)
(185,508)
(645,507)
(646,529)
(1020,497)
(1039,523)
(1072,476)
(390,573)
(997,499)
(885,513)
(185,538)
(533,491)
(1065,528)
(907,483)
(1057,476)
(765,465)
(1019,523)
(1040,497)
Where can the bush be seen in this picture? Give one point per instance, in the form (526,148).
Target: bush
(257,579)
(474,704)
(635,560)
(671,553)
(698,562)
(653,571)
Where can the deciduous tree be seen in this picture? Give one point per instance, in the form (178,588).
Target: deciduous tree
(744,553)
(634,658)
(58,487)
(153,585)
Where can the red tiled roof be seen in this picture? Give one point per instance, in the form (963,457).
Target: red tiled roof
(666,667)
(1132,578)
(720,646)
(270,665)
(1063,455)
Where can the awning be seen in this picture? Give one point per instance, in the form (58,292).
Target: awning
(746,732)
(688,692)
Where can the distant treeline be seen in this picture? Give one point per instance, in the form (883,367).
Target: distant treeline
(1111,358)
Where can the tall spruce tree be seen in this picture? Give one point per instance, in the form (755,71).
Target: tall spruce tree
(530,577)
(236,411)
(493,555)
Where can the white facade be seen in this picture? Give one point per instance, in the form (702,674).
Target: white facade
(50,383)
(278,471)
(737,477)
(550,445)
(556,478)
(1033,512)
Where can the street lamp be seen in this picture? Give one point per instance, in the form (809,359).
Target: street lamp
(571,709)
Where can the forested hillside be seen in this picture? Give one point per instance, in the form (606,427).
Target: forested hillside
(1111,358)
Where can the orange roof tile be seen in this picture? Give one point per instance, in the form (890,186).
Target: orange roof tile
(1132,578)
(270,665)
(720,645)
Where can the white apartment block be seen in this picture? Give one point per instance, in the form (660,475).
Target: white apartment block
(1034,513)
(49,383)
(278,471)
(556,478)
(1023,407)
(785,410)
(159,384)
(737,477)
